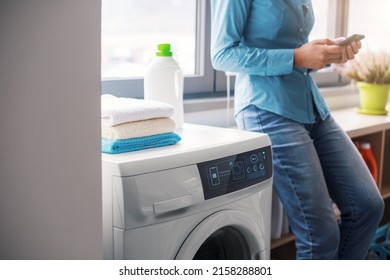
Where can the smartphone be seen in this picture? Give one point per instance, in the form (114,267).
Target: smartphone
(350,39)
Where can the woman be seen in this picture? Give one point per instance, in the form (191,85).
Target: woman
(266,43)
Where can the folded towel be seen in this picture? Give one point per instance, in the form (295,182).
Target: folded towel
(139,129)
(135,144)
(117,110)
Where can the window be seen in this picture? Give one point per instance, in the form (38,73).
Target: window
(322,19)
(372,19)
(325,14)
(131,30)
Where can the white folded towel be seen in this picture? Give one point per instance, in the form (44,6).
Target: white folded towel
(139,129)
(117,110)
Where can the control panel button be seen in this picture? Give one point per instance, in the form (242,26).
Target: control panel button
(254,158)
(261,166)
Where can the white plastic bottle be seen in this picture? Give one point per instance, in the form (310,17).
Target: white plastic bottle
(164,81)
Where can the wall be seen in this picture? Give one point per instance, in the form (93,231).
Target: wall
(50,170)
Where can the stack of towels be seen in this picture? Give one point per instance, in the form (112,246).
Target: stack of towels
(130,124)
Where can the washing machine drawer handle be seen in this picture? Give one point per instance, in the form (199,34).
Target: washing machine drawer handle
(172,204)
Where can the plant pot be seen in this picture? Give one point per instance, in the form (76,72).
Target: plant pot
(373,98)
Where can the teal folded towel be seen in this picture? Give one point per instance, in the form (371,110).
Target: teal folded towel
(134,144)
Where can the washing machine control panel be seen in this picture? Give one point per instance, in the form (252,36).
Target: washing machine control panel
(233,173)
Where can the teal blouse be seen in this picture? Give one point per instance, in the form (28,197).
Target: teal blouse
(255,39)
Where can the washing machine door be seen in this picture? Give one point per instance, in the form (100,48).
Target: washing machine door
(228,234)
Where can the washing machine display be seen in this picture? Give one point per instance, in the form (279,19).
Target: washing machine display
(236,172)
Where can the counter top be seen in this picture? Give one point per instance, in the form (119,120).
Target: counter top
(356,124)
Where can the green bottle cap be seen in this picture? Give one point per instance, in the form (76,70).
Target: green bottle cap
(164,50)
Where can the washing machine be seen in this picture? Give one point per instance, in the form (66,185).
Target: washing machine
(207,197)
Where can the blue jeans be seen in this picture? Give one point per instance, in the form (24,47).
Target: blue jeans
(315,164)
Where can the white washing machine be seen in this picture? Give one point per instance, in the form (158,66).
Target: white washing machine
(207,197)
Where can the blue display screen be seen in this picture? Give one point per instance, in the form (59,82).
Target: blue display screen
(236,172)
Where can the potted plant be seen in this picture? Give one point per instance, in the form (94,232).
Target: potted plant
(371,71)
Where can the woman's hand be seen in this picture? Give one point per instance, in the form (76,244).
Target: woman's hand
(351,50)
(319,53)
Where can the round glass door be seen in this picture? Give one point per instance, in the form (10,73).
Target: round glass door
(228,234)
(226,243)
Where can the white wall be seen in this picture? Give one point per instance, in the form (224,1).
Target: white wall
(50,170)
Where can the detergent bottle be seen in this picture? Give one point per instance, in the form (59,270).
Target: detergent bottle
(164,81)
(368,156)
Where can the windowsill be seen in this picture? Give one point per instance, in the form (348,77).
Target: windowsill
(215,111)
(218,111)
(341,97)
